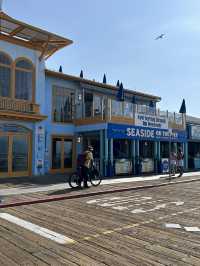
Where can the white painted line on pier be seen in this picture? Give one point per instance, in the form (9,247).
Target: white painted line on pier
(61,239)
(175,226)
(192,229)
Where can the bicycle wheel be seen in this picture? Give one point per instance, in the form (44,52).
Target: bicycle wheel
(74,181)
(95,178)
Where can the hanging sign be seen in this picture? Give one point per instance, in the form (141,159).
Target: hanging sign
(40,134)
(165,165)
(151,121)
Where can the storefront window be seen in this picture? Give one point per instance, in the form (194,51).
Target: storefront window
(121,149)
(94,141)
(97,105)
(20,154)
(147,149)
(128,109)
(194,155)
(56,153)
(24,80)
(164,149)
(62,153)
(5,75)
(67,154)
(142,109)
(23,86)
(63,102)
(147,156)
(117,108)
(88,104)
(4,154)
(94,105)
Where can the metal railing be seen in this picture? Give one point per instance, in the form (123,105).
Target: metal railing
(9,104)
(111,109)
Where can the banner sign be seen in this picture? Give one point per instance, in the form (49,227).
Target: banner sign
(116,131)
(151,121)
(195,132)
(165,165)
(13,128)
(40,134)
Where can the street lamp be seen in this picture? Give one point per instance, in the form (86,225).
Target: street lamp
(170,135)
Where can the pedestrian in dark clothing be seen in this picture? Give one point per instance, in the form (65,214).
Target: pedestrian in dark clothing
(87,165)
(180,162)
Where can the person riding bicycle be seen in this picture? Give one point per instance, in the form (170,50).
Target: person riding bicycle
(87,165)
(180,162)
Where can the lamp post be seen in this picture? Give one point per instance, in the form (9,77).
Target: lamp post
(170,134)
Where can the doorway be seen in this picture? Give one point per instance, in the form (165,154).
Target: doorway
(15,154)
(62,154)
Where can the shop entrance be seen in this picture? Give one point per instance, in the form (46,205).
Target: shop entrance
(93,139)
(62,154)
(193,155)
(15,150)
(122,156)
(147,156)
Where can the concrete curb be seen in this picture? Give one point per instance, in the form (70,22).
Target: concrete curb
(91,194)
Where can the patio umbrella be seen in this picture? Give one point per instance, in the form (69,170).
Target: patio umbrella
(60,69)
(151,104)
(104,79)
(81,74)
(183,107)
(118,84)
(120,93)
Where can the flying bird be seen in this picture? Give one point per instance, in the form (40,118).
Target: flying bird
(160,37)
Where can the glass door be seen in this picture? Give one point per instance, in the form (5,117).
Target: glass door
(14,154)
(56,153)
(4,150)
(20,150)
(62,154)
(67,156)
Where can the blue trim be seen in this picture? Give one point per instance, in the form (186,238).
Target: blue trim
(94,127)
(117,131)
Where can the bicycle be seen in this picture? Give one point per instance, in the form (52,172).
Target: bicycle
(174,171)
(95,178)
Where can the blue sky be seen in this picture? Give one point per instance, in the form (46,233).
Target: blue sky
(116,37)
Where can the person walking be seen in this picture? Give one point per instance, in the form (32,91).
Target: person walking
(88,161)
(180,162)
(172,163)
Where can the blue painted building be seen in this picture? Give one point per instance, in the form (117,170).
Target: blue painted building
(47,118)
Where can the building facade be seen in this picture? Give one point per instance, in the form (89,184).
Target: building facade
(47,118)
(193,143)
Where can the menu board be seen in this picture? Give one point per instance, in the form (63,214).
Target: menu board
(123,166)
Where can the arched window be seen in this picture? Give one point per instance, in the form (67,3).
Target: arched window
(5,75)
(24,72)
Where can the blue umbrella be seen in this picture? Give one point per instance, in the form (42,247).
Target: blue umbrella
(120,93)
(183,107)
(60,69)
(104,79)
(151,104)
(81,74)
(118,84)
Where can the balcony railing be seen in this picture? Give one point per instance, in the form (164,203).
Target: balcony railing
(111,110)
(9,104)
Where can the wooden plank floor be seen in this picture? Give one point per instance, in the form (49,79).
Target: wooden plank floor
(115,229)
(70,192)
